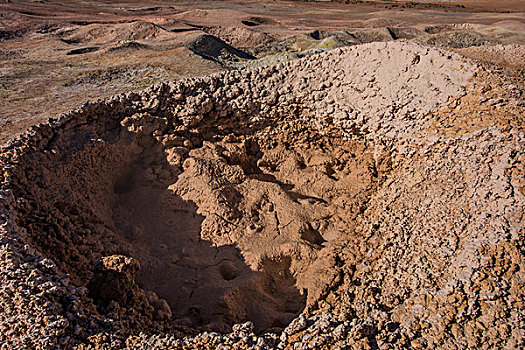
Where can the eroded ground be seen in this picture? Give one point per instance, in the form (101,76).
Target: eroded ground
(367,197)
(330,201)
(56,55)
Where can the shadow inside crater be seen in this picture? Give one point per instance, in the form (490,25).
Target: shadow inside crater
(106,192)
(205,285)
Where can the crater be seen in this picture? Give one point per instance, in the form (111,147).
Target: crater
(206,203)
(189,229)
(259,195)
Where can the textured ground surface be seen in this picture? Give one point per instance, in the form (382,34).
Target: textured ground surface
(55,55)
(366,197)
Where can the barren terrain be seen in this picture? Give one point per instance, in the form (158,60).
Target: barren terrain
(265,175)
(55,55)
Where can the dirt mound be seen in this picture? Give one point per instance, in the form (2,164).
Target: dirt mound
(102,33)
(240,37)
(512,56)
(128,46)
(310,198)
(303,44)
(373,35)
(210,17)
(458,39)
(211,47)
(381,22)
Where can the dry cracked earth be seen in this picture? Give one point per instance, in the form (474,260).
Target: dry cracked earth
(307,188)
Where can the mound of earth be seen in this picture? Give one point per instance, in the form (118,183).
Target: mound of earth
(303,44)
(205,17)
(344,200)
(512,56)
(104,33)
(211,47)
(240,37)
(458,39)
